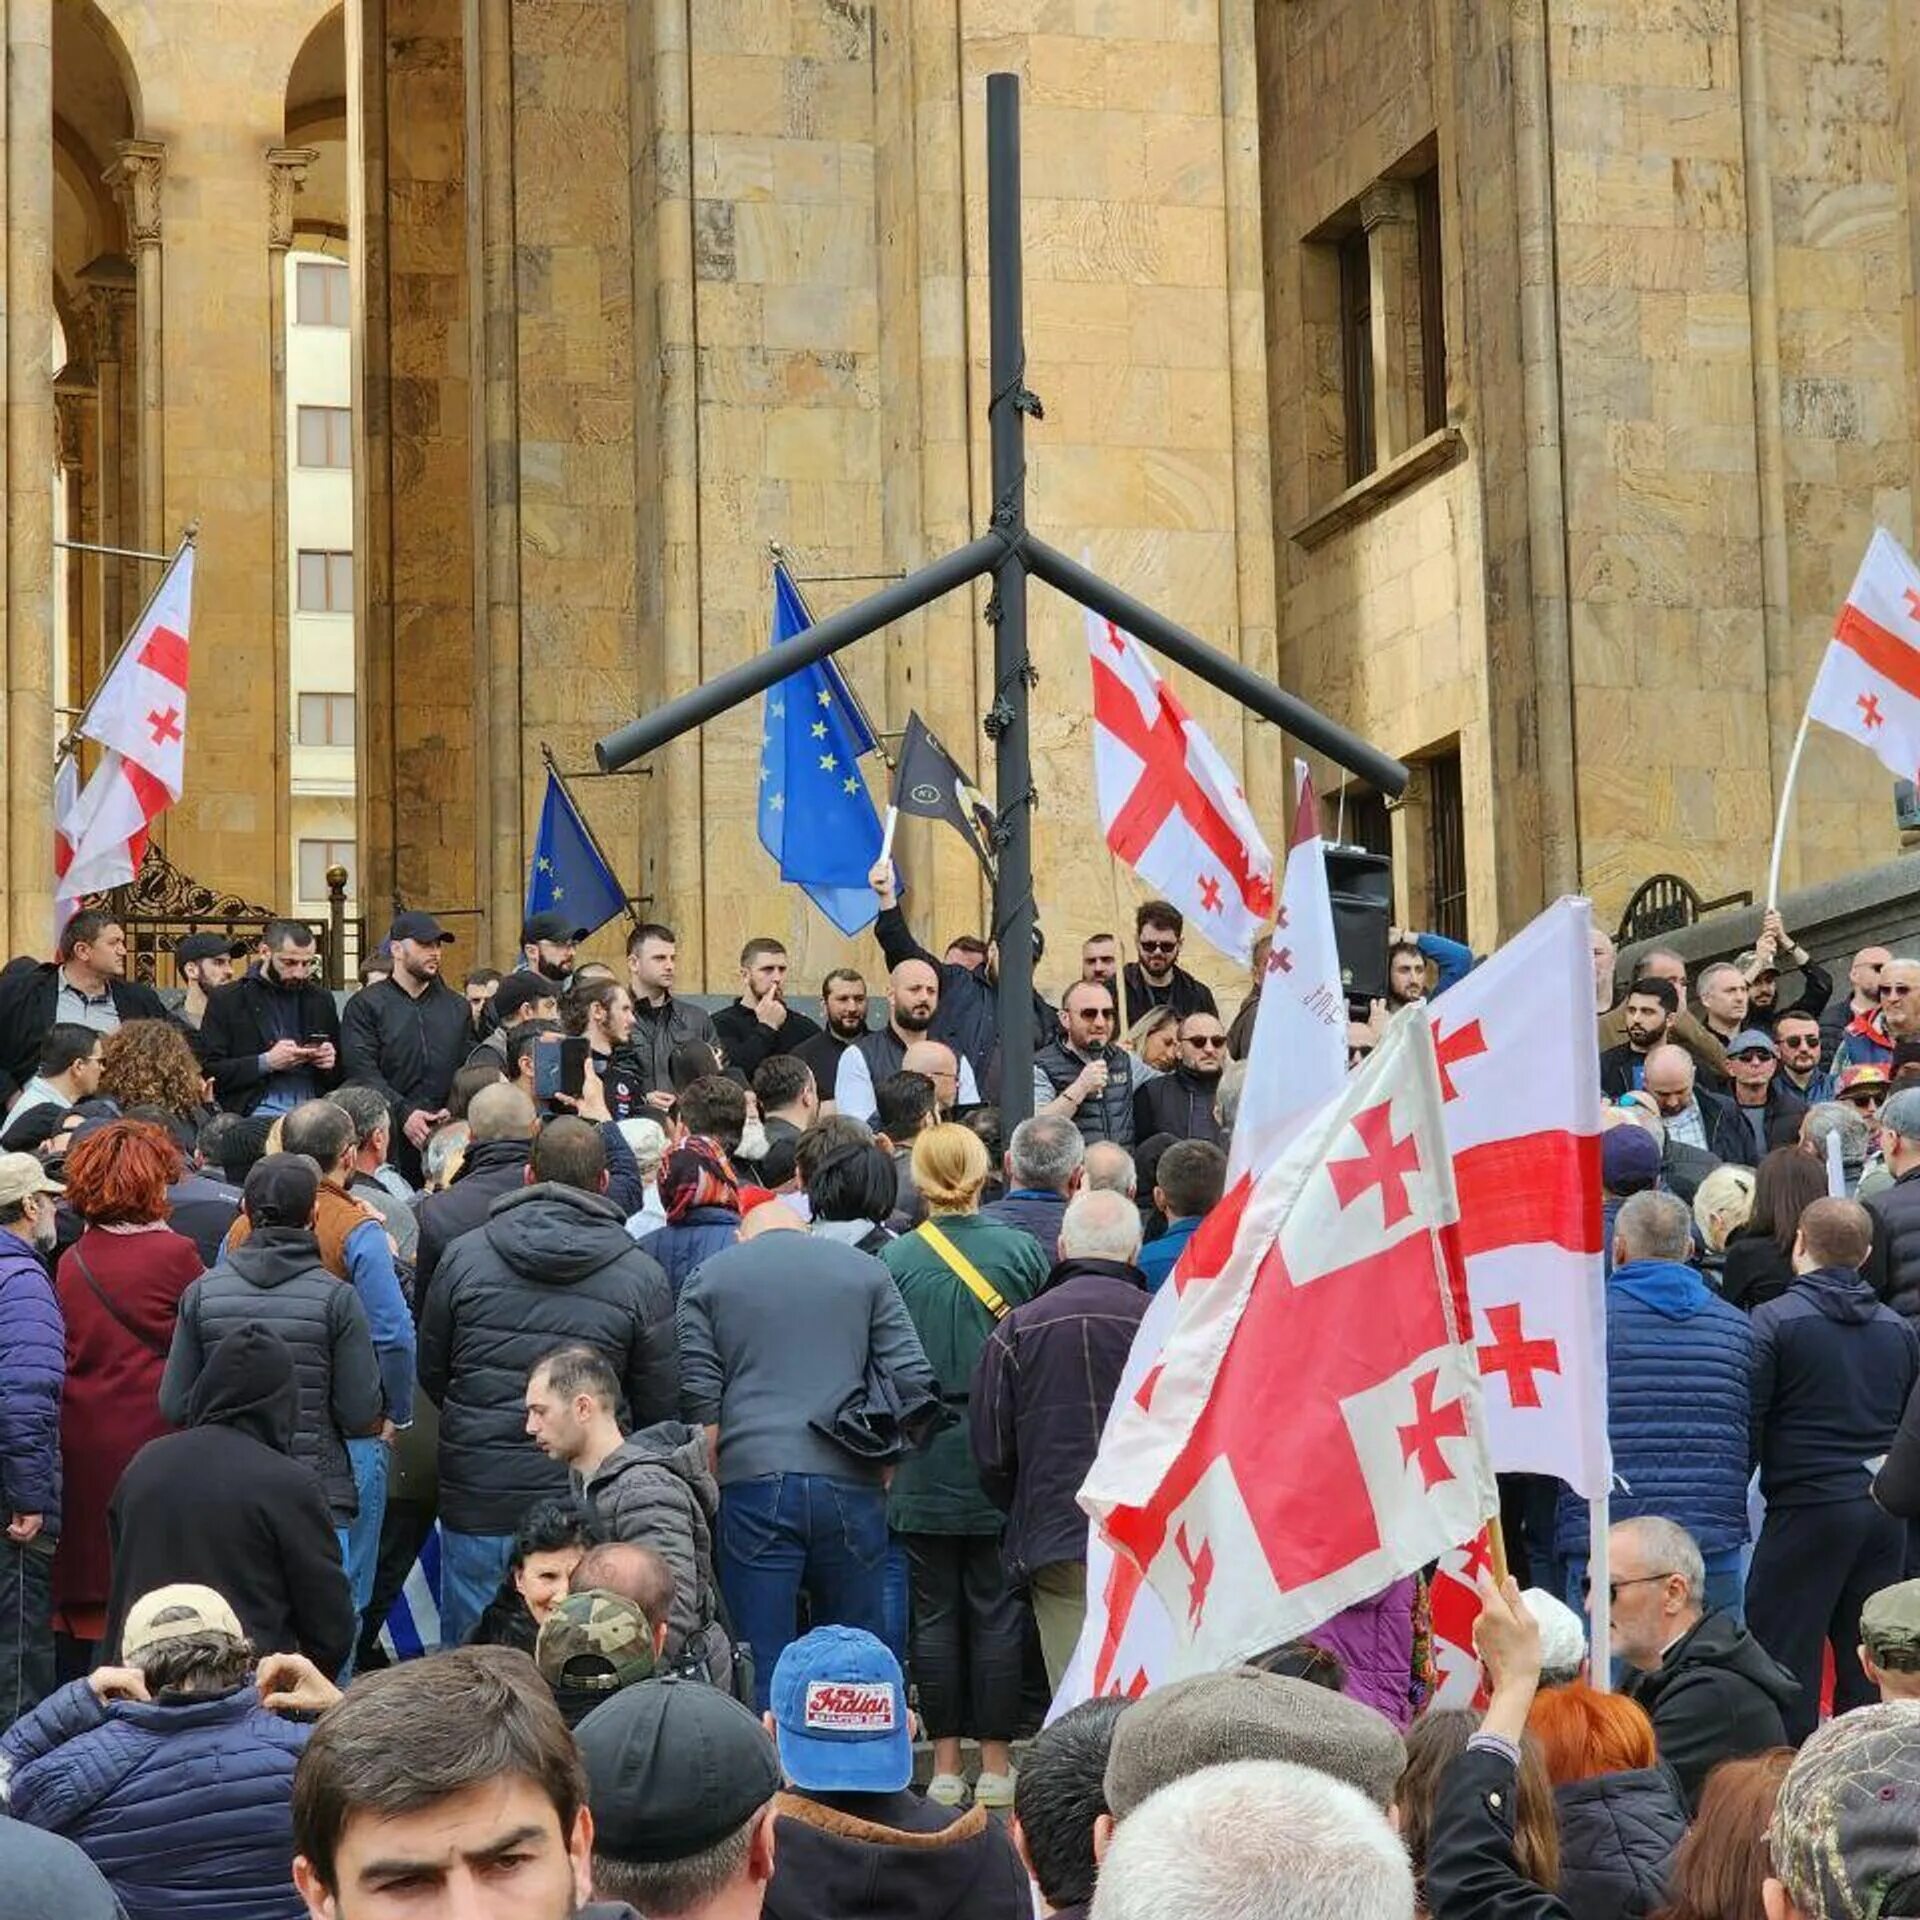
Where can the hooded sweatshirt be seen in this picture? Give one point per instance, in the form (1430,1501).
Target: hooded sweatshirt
(225,1504)
(1833,1368)
(891,1856)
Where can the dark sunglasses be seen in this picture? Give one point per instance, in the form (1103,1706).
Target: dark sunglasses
(1614,1586)
(1751,1055)
(1159,946)
(1896,990)
(1206,1040)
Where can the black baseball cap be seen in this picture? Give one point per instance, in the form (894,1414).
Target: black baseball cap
(555,928)
(418,926)
(518,991)
(281,1189)
(673,1767)
(207,946)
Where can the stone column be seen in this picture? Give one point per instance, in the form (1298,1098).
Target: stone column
(28,724)
(109,284)
(1391,218)
(73,403)
(286,176)
(135,176)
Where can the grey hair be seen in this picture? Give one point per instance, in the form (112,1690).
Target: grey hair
(367,1110)
(1046,1151)
(1226,1096)
(1100,1224)
(1836,1116)
(1654,1226)
(441,1148)
(1109,1167)
(1255,1840)
(1901,1114)
(1714,972)
(648,1141)
(1670,1548)
(669,1887)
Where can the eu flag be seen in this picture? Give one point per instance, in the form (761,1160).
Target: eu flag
(569,875)
(816,816)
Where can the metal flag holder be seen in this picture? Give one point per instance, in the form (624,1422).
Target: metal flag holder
(1009,551)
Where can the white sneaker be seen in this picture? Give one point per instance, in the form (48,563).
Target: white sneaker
(995,1791)
(947,1790)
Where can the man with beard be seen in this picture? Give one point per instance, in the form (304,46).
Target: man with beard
(603,1012)
(1649,1010)
(913,999)
(1777,948)
(33,1367)
(1083,1075)
(547,943)
(407,1035)
(760,1023)
(205,964)
(1182,1102)
(1157,979)
(271,1039)
(843,999)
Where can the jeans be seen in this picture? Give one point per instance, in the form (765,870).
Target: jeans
(969,1636)
(370,1457)
(472,1565)
(26,1627)
(785,1531)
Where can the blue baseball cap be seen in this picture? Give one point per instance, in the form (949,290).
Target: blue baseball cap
(840,1714)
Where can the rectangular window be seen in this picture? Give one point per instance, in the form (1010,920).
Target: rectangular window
(1356,353)
(326,582)
(316,856)
(326,436)
(1446,847)
(1360,819)
(1433,305)
(320,294)
(326,719)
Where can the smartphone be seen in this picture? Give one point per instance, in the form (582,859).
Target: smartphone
(573,1065)
(318,1040)
(546,1065)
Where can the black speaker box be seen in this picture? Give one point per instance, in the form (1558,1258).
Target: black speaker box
(1360,885)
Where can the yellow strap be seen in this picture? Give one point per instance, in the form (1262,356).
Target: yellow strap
(976,1282)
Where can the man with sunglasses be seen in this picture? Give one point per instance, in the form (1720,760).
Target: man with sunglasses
(1871,1038)
(1767,1113)
(1083,1075)
(1182,1102)
(1156,978)
(1774,952)
(1861,998)
(1797,1035)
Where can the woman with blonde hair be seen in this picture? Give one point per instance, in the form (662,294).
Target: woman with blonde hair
(1154,1039)
(1721,1205)
(960,1276)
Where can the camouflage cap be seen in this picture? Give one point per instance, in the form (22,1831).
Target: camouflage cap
(595,1642)
(1890,1625)
(1842,1836)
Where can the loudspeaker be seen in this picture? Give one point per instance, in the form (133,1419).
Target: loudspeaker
(1360,889)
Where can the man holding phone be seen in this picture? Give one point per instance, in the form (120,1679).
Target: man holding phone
(600,1015)
(271,1039)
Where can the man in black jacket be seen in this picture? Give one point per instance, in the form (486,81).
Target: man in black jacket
(1182,1102)
(271,1039)
(406,1037)
(225,1503)
(760,1023)
(552,1267)
(1767,1111)
(1082,1074)
(1648,1010)
(502,1122)
(1156,978)
(1711,1690)
(87,986)
(660,1022)
(1893,1267)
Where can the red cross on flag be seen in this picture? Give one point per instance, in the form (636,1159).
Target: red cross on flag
(1868,686)
(1171,806)
(1314,1429)
(139,716)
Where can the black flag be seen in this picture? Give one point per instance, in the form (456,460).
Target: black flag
(928,782)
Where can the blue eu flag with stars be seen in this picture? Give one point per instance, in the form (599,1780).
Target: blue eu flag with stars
(569,875)
(816,816)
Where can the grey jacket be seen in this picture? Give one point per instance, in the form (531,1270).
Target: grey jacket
(276,1280)
(656,1490)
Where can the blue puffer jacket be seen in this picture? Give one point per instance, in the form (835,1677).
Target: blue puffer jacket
(185,1806)
(681,1245)
(33,1369)
(1679,1381)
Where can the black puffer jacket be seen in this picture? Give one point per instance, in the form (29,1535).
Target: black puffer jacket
(1617,1836)
(1106,1115)
(1893,1264)
(1179,1103)
(552,1266)
(276,1280)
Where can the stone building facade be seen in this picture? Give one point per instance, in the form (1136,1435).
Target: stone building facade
(1518,384)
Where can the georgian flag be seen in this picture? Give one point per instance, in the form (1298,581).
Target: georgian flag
(1868,686)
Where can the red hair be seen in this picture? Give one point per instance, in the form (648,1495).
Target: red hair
(119,1176)
(1584,1732)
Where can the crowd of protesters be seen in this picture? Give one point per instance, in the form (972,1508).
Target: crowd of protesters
(737,1373)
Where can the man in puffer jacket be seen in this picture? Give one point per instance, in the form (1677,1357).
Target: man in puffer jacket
(170,1773)
(1679,1370)
(552,1267)
(653,1488)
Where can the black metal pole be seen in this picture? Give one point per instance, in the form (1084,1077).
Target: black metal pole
(1220,670)
(652,731)
(1007,717)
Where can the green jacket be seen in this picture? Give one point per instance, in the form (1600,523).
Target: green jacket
(939,1491)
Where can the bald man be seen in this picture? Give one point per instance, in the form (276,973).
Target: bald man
(913,1001)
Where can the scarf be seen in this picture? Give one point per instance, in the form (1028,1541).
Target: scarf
(696,1173)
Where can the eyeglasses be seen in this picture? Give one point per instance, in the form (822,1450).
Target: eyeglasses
(1208,1040)
(1751,1056)
(1896,989)
(1614,1586)
(1159,946)
(1799,1040)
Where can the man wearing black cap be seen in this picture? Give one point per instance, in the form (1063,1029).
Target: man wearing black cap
(271,1039)
(204,962)
(547,941)
(681,1780)
(406,1036)
(518,998)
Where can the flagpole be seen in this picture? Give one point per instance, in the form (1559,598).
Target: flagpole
(1600,1594)
(1786,803)
(69,745)
(580,820)
(778,554)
